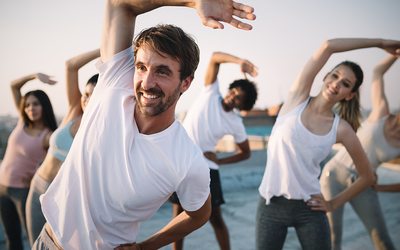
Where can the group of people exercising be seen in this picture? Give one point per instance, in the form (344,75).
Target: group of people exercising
(119,153)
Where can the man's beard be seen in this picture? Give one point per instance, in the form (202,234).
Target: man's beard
(162,105)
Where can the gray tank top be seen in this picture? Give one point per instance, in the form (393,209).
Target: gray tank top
(374,143)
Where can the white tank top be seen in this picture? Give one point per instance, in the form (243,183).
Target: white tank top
(293,157)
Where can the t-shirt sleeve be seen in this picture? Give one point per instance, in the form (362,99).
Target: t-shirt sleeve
(213,88)
(114,84)
(239,133)
(194,189)
(118,71)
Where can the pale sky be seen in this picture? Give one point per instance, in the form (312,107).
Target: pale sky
(40,36)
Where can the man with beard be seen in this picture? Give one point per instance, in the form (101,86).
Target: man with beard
(130,154)
(208,120)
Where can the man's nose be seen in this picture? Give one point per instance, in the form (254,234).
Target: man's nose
(148,82)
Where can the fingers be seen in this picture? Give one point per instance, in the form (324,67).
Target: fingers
(212,23)
(245,8)
(51,82)
(244,12)
(240,25)
(318,203)
(249,68)
(397,53)
(244,15)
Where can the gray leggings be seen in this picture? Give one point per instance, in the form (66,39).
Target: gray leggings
(34,217)
(44,242)
(334,179)
(12,215)
(273,220)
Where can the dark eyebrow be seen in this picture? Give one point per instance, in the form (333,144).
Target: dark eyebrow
(137,63)
(164,67)
(345,79)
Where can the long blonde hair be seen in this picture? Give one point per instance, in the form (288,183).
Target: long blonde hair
(351,110)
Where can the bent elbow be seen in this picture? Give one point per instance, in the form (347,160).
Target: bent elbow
(247,155)
(69,65)
(327,44)
(369,178)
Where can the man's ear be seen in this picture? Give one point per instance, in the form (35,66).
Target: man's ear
(350,96)
(186,84)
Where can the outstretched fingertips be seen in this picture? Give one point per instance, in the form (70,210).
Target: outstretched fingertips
(246,8)
(212,23)
(240,25)
(244,15)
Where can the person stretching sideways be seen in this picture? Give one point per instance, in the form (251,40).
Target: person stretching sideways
(380,138)
(208,120)
(130,154)
(302,137)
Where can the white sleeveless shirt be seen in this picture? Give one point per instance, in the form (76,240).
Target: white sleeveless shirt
(293,157)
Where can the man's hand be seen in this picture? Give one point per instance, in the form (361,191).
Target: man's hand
(211,156)
(213,12)
(129,246)
(249,68)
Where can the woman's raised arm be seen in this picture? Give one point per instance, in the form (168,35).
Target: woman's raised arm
(16,85)
(380,105)
(72,67)
(300,89)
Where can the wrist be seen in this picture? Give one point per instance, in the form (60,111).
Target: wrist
(381,43)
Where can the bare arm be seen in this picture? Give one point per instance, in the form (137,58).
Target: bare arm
(243,153)
(72,67)
(120,17)
(380,106)
(182,225)
(300,89)
(387,188)
(16,85)
(46,140)
(218,57)
(349,139)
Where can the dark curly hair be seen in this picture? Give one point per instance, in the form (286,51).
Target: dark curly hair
(251,92)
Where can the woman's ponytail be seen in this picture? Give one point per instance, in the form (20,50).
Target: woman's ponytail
(351,111)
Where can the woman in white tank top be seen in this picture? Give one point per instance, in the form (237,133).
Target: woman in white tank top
(380,138)
(302,137)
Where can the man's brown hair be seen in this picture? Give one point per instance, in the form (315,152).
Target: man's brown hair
(173,41)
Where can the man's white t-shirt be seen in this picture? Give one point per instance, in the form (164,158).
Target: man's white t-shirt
(114,177)
(207,122)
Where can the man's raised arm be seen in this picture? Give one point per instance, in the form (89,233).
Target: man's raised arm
(218,57)
(120,17)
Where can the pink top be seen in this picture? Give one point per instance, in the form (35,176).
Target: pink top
(23,155)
